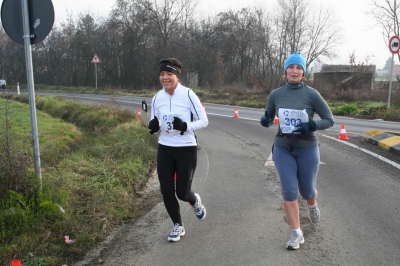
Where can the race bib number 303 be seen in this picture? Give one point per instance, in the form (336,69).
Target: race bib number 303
(167,123)
(290,119)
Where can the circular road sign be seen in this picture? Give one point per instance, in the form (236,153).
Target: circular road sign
(41,19)
(394,44)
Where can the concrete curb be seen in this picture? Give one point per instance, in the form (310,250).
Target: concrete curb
(386,140)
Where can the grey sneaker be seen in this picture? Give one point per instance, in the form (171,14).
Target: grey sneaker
(199,208)
(176,233)
(314,213)
(295,241)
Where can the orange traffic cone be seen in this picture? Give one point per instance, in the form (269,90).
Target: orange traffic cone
(276,120)
(139,114)
(16,263)
(204,108)
(343,135)
(236,115)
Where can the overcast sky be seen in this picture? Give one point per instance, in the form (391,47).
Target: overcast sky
(360,35)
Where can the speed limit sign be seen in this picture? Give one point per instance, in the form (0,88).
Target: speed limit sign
(394,45)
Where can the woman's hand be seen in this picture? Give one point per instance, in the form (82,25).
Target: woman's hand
(265,121)
(178,124)
(154,125)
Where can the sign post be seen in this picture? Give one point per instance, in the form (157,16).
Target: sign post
(95,61)
(29,22)
(29,73)
(394,46)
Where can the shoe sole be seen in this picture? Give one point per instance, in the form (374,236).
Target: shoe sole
(296,247)
(176,238)
(314,222)
(311,220)
(205,212)
(204,215)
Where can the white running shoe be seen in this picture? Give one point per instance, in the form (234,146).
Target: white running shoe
(295,241)
(314,213)
(199,208)
(176,233)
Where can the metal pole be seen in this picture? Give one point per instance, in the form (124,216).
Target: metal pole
(95,67)
(18,88)
(390,82)
(31,90)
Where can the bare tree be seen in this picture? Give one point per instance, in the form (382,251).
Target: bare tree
(386,14)
(168,16)
(207,53)
(238,32)
(293,15)
(84,46)
(12,59)
(134,45)
(322,34)
(311,31)
(289,26)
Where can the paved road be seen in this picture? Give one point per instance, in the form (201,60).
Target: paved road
(378,132)
(246,225)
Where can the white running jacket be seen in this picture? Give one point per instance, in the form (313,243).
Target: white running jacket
(184,104)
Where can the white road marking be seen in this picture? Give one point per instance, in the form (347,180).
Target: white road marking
(364,150)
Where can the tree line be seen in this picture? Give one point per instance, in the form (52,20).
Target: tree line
(245,46)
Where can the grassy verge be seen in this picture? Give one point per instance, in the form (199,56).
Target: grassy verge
(366,110)
(94,160)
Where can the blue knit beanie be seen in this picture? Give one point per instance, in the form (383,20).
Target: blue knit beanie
(295,58)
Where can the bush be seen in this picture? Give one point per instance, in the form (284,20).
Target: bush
(346,109)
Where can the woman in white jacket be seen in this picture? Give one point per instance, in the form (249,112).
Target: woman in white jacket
(176,113)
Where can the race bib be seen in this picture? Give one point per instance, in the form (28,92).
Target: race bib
(290,119)
(167,120)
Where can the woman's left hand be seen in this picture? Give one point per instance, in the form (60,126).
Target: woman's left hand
(178,124)
(305,128)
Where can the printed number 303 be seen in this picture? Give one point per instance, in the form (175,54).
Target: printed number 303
(292,122)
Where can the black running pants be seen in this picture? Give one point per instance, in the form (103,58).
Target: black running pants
(183,161)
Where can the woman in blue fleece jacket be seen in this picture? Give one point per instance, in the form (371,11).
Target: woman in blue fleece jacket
(296,151)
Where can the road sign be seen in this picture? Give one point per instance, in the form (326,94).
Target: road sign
(96,59)
(394,44)
(41,19)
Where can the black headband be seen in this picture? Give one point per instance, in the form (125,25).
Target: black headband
(170,67)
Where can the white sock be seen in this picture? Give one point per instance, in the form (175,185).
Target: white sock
(311,206)
(298,231)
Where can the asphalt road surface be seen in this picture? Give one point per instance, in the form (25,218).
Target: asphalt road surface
(359,196)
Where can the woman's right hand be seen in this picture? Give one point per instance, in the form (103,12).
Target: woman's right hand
(265,121)
(154,125)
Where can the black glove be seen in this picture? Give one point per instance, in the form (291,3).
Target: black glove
(265,121)
(305,128)
(178,124)
(154,125)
